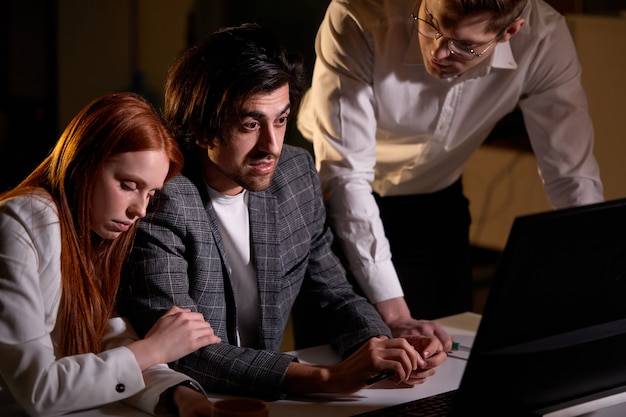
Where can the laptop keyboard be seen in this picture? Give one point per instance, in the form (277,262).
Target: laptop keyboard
(433,406)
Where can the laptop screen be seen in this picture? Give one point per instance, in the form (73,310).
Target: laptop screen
(553,331)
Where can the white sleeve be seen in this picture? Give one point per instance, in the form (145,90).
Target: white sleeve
(559,126)
(39,381)
(157,378)
(339,113)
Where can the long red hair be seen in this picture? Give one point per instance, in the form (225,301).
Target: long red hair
(90,265)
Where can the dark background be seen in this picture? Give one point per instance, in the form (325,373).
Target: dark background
(29,53)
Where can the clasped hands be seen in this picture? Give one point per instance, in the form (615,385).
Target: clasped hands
(409,359)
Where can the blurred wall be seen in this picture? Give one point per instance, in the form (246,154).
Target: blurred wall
(57,55)
(503,183)
(28,111)
(112,45)
(116,45)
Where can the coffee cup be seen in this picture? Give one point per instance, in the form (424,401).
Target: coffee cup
(240,407)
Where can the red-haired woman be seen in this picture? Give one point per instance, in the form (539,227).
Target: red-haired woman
(64,233)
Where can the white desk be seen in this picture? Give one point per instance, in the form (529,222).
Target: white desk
(462,327)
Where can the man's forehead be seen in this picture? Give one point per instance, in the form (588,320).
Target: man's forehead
(275,101)
(445,16)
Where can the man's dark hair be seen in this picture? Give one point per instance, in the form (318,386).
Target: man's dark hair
(208,84)
(503,12)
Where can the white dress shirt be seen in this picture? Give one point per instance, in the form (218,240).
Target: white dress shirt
(32,373)
(379,121)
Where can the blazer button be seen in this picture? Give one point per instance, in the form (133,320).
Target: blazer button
(120,388)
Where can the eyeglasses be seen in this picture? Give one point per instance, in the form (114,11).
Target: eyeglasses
(460,49)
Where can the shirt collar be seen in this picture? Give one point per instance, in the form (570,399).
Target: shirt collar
(503,57)
(413,54)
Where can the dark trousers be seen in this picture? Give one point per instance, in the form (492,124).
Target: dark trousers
(429,239)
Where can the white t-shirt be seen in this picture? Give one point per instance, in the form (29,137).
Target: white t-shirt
(234,223)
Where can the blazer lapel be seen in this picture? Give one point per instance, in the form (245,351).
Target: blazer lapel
(229,293)
(265,244)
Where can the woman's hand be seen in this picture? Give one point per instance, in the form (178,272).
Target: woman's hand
(178,333)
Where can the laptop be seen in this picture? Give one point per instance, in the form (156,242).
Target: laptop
(553,331)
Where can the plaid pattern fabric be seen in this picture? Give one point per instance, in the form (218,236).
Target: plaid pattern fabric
(178,259)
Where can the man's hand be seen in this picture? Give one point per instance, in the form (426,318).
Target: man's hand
(395,313)
(410,360)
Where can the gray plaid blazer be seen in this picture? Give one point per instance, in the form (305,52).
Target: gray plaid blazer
(178,259)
